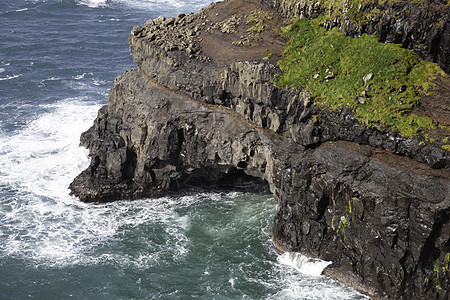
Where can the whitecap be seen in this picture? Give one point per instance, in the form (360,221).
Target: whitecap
(300,275)
(22,9)
(99,82)
(9,77)
(38,163)
(80,76)
(2,70)
(303,264)
(44,224)
(310,289)
(43,82)
(94,3)
(231,281)
(159,5)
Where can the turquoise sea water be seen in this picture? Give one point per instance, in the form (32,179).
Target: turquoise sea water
(58,60)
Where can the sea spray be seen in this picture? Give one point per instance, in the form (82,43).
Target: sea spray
(303,264)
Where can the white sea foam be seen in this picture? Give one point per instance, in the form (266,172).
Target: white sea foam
(37,164)
(231,281)
(99,82)
(2,70)
(92,84)
(158,5)
(40,157)
(45,81)
(312,285)
(9,77)
(42,223)
(303,264)
(82,76)
(94,3)
(298,275)
(293,286)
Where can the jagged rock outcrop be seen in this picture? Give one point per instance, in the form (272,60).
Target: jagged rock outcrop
(200,110)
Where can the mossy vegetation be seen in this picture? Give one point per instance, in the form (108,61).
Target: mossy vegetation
(355,3)
(440,269)
(344,221)
(258,18)
(258,21)
(446,145)
(380,83)
(269,56)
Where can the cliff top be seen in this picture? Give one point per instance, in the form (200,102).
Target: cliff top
(384,85)
(224,32)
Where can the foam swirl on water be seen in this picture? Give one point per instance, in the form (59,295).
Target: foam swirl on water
(36,165)
(41,222)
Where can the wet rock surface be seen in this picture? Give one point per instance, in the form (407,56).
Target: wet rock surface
(201,110)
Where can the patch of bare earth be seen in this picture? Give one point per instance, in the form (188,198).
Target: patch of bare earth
(437,107)
(217,41)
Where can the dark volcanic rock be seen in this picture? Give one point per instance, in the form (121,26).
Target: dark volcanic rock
(150,140)
(367,216)
(373,202)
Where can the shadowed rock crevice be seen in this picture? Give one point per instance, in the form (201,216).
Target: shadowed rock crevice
(129,165)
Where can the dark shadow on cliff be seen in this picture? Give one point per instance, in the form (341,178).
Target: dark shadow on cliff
(233,180)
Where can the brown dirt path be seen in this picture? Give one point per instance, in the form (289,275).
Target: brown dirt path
(218,45)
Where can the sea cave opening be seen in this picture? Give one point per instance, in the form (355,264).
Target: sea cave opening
(221,179)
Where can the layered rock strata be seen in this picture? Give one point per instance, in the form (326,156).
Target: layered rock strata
(201,109)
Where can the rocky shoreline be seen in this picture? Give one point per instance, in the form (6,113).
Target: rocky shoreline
(201,109)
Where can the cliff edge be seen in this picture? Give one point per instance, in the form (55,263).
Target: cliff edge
(202,108)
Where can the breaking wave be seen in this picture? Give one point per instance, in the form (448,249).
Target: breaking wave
(158,5)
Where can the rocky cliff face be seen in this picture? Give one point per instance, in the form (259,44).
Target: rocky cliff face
(201,109)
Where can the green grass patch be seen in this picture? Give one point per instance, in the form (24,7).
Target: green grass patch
(379,82)
(257,18)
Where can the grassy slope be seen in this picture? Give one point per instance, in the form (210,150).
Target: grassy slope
(333,67)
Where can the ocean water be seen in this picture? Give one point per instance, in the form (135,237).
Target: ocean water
(58,60)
